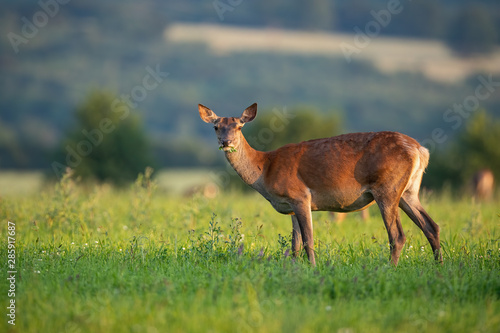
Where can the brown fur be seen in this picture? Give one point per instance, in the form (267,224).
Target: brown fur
(343,174)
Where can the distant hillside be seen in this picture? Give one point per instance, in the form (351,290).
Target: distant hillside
(389,55)
(94,45)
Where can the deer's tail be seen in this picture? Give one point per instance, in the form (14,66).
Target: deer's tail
(424,157)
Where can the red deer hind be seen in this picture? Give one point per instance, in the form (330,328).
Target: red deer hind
(483,183)
(344,173)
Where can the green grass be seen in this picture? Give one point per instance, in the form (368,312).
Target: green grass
(137,260)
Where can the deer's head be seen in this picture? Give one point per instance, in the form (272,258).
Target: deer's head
(228,129)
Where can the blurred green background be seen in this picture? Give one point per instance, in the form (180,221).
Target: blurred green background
(118,83)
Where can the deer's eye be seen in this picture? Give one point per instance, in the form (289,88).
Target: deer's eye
(216,127)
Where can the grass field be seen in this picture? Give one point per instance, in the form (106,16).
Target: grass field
(97,259)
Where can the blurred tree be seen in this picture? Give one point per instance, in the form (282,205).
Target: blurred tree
(475,148)
(317,14)
(421,19)
(477,145)
(353,13)
(108,143)
(472,32)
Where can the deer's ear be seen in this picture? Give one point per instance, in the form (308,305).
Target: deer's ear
(206,114)
(249,113)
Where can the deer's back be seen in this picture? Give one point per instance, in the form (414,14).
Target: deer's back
(340,168)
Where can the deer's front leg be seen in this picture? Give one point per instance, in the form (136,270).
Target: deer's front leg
(304,218)
(296,237)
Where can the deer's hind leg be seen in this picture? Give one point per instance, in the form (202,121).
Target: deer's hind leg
(296,237)
(411,205)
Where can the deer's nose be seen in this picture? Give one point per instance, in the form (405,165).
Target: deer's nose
(226,143)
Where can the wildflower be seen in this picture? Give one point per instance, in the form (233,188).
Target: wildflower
(328,308)
(97,242)
(125,227)
(120,250)
(72,243)
(37,272)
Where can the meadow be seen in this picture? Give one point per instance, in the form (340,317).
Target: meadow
(139,259)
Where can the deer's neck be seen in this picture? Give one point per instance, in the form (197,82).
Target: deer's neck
(247,162)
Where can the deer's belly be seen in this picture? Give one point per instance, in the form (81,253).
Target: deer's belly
(334,201)
(341,201)
(281,205)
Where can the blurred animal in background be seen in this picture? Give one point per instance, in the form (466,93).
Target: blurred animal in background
(483,183)
(364,214)
(208,190)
